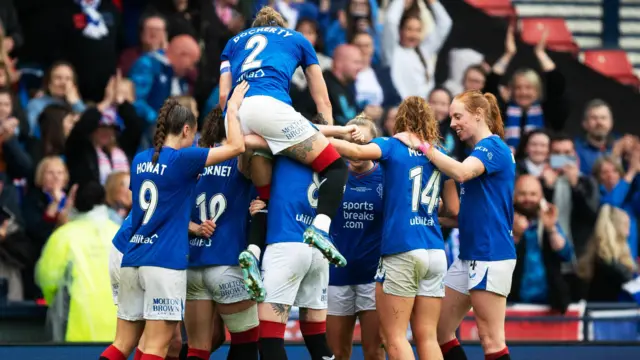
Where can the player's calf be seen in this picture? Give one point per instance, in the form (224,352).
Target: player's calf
(313,327)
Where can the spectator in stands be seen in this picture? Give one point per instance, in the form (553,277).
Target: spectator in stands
(608,263)
(598,139)
(153,37)
(541,248)
(409,56)
(16,250)
(356,16)
(389,121)
(71,272)
(10,27)
(55,123)
(105,137)
(160,74)
(576,195)
(374,86)
(533,155)
(294,10)
(617,189)
(526,106)
(118,196)
(46,204)
(466,71)
(14,161)
(439,100)
(309,29)
(60,86)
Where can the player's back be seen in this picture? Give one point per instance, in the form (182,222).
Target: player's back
(294,197)
(267,57)
(412,190)
(223,194)
(162,193)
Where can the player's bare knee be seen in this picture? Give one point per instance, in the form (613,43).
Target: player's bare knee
(491,341)
(311,315)
(371,353)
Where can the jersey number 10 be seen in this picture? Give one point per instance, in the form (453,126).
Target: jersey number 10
(258,43)
(428,195)
(217,206)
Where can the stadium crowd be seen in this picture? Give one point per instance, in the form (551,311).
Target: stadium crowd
(77,103)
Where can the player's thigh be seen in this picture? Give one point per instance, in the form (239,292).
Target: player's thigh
(282,275)
(454,308)
(313,290)
(226,284)
(394,314)
(370,333)
(277,122)
(261,169)
(115,259)
(165,293)
(130,295)
(198,323)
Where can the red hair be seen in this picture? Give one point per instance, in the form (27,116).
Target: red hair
(474,100)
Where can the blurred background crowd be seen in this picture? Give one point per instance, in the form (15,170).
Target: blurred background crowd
(81,82)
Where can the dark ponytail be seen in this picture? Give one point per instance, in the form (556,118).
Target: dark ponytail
(213,130)
(160,134)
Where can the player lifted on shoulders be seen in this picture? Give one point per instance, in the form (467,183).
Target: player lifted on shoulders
(266,56)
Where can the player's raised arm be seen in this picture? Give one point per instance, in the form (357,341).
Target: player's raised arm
(355,151)
(319,93)
(234,145)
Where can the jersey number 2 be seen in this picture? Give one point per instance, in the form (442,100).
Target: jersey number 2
(258,43)
(428,195)
(217,206)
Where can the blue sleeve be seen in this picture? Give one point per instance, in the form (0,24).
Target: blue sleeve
(226,52)
(617,196)
(566,253)
(334,36)
(494,157)
(142,74)
(192,160)
(308,55)
(386,146)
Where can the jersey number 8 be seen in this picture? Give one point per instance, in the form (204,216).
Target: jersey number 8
(217,206)
(429,194)
(258,43)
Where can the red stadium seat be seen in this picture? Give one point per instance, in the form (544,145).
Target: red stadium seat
(559,38)
(612,63)
(500,8)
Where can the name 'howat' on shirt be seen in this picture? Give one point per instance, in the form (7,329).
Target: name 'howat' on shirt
(162,197)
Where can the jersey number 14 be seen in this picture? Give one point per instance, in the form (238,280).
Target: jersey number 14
(428,195)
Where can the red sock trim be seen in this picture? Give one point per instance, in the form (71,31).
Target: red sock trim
(112,353)
(151,357)
(496,355)
(200,354)
(313,328)
(246,337)
(325,158)
(270,329)
(171,358)
(138,354)
(264,192)
(446,347)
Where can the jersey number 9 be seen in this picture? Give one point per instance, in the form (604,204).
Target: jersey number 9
(429,194)
(217,206)
(258,43)
(149,203)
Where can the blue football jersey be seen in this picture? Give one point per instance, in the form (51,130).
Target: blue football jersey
(486,205)
(223,195)
(357,228)
(294,198)
(412,190)
(162,195)
(267,57)
(121,239)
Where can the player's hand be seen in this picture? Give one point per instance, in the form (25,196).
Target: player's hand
(237,96)
(206,229)
(408,138)
(256,206)
(353,133)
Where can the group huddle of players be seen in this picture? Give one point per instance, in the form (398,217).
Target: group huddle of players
(236,231)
